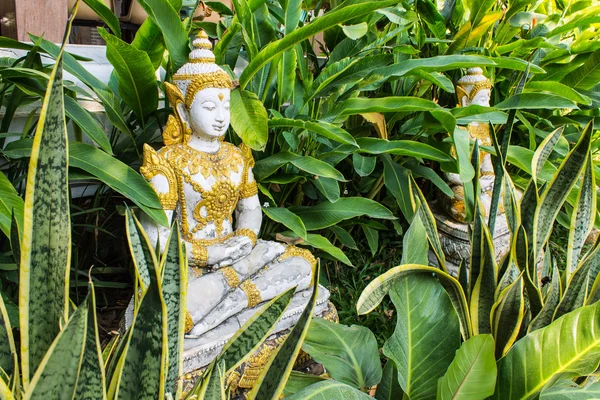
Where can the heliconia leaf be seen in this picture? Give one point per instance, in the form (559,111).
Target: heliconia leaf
(10,202)
(414,243)
(472,373)
(566,389)
(326,214)
(146,345)
(174,289)
(363,166)
(349,354)
(578,334)
(8,351)
(286,218)
(427,10)
(271,382)
(580,283)
(298,381)
(535,101)
(322,243)
(507,316)
(338,15)
(135,72)
(397,181)
(87,123)
(372,238)
(554,196)
(287,65)
(329,188)
(268,166)
(249,121)
(552,300)
(72,366)
(586,76)
(582,220)
(375,291)
(109,17)
(411,344)
(559,89)
(325,129)
(247,339)
(408,148)
(389,388)
(329,389)
(46,243)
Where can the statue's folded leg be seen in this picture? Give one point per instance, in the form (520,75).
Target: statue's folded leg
(274,279)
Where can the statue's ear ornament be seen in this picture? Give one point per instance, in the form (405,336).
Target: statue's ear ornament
(176,131)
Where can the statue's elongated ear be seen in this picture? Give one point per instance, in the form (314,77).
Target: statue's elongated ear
(183,113)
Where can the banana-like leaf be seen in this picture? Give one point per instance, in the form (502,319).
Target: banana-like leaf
(135,73)
(537,359)
(389,388)
(580,284)
(329,389)
(87,123)
(433,19)
(146,347)
(554,196)
(72,366)
(106,14)
(249,120)
(586,76)
(46,244)
(10,202)
(566,389)
(247,339)
(560,90)
(286,218)
(298,381)
(397,181)
(174,289)
(322,243)
(414,243)
(268,166)
(535,101)
(8,351)
(552,300)
(408,148)
(349,354)
(375,291)
(472,373)
(326,214)
(325,129)
(271,382)
(411,344)
(338,15)
(582,220)
(287,65)
(507,316)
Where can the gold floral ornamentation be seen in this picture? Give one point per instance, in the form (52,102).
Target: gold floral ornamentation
(189,322)
(249,233)
(254,297)
(461,89)
(293,251)
(257,362)
(480,132)
(199,255)
(218,202)
(175,131)
(218,79)
(154,164)
(248,190)
(221,163)
(232,278)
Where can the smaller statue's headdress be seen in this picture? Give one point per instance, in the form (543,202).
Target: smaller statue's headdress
(200,72)
(471,83)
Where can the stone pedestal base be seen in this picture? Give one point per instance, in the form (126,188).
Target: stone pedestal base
(454,238)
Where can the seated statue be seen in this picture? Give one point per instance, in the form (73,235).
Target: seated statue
(473,88)
(203,181)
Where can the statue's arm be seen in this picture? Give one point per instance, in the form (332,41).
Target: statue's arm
(248,213)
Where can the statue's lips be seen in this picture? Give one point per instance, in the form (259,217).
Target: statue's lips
(219,127)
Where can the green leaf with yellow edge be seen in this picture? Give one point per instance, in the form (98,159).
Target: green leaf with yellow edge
(9,362)
(578,334)
(507,316)
(472,373)
(249,119)
(46,241)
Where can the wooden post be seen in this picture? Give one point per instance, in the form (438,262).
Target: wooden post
(47,17)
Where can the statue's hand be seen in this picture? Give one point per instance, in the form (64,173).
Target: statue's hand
(233,250)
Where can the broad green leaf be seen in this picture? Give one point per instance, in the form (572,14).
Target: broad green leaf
(478,10)
(338,15)
(327,390)
(559,89)
(343,236)
(271,382)
(46,243)
(119,177)
(578,334)
(268,166)
(357,31)
(372,238)
(286,218)
(559,188)
(414,243)
(325,129)
(146,344)
(10,202)
(349,354)
(586,76)
(535,101)
(330,188)
(472,373)
(149,38)
(427,10)
(106,14)
(582,220)
(408,148)
(322,243)
(461,141)
(167,18)
(566,389)
(298,381)
(135,73)
(174,290)
(397,181)
(411,344)
(87,123)
(389,388)
(428,220)
(507,316)
(249,119)
(247,339)
(375,291)
(326,214)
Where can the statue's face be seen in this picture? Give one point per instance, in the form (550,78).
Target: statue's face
(482,98)
(209,114)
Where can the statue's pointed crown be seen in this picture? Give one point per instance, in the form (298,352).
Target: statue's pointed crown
(472,82)
(201,71)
